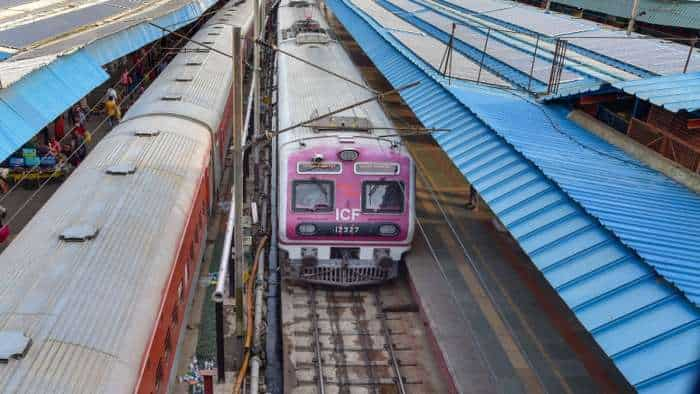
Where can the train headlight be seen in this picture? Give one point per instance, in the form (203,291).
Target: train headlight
(348,155)
(388,230)
(306,229)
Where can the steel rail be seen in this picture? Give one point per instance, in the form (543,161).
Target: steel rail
(318,361)
(389,344)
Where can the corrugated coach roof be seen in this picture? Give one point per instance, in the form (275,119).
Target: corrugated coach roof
(676,93)
(536,178)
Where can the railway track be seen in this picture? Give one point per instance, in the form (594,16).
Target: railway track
(353,341)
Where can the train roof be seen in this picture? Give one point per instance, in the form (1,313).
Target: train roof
(306,92)
(188,87)
(89,307)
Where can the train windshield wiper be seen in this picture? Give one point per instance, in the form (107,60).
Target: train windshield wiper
(321,206)
(316,208)
(373,189)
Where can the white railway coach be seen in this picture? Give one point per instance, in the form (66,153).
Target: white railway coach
(95,289)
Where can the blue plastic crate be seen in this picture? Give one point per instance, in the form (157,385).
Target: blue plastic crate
(48,161)
(28,152)
(16,162)
(31,161)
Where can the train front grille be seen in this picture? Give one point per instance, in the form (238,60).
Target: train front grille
(348,276)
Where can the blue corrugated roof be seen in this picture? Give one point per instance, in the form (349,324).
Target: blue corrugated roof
(39,97)
(33,102)
(577,91)
(674,92)
(537,178)
(649,212)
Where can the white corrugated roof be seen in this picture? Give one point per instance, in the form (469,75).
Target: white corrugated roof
(12,71)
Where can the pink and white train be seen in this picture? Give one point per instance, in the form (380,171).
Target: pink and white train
(346,183)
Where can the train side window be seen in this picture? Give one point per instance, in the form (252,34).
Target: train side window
(312,196)
(175,316)
(180,291)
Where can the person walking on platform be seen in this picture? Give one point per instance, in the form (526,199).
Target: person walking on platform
(112,94)
(114,114)
(79,116)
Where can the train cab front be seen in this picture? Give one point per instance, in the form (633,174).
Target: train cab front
(348,212)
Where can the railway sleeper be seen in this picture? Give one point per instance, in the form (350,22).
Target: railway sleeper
(334,349)
(362,382)
(331,363)
(321,331)
(307,356)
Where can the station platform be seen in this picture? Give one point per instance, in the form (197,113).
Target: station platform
(497,325)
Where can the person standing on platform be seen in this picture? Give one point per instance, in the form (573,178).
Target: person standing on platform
(126,82)
(55,148)
(4,228)
(45,133)
(78,150)
(85,107)
(82,117)
(79,129)
(59,127)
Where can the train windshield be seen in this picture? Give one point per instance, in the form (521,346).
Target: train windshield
(312,196)
(382,196)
